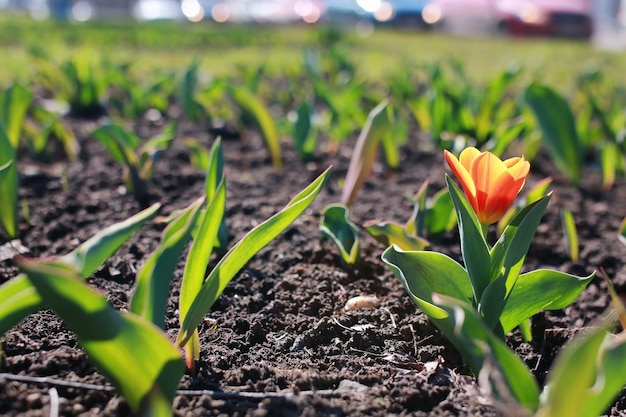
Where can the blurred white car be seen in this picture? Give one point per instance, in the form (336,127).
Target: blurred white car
(157,10)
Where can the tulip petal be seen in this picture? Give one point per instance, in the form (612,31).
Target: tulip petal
(467,156)
(490,184)
(520,169)
(504,189)
(512,161)
(462,174)
(485,168)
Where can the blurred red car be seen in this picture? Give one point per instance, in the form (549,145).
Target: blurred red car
(563,18)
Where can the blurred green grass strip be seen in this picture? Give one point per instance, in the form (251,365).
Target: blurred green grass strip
(222,48)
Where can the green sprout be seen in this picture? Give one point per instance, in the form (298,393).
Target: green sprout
(8,186)
(15,102)
(138,160)
(558,126)
(187,92)
(257,114)
(44,126)
(429,218)
(335,221)
(130,349)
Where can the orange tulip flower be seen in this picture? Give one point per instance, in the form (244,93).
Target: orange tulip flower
(490,184)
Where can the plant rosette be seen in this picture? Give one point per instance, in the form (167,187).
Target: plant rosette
(490,281)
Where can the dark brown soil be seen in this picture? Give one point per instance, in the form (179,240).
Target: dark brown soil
(284,345)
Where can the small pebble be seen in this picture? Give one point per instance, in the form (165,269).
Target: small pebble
(362,301)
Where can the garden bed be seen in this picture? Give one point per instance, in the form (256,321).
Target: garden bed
(278,341)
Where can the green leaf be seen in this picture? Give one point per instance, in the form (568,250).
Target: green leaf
(133,354)
(494,94)
(415,224)
(539,191)
(67,138)
(120,143)
(507,258)
(187,89)
(198,155)
(505,375)
(505,134)
(152,150)
(14,104)
(559,129)
(396,137)
(213,179)
(303,138)
(540,290)
(153,279)
(264,121)
(363,157)
(337,226)
(18,297)
(242,252)
(4,170)
(423,273)
(89,256)
(389,233)
(570,234)
(587,375)
(8,187)
(610,157)
(440,216)
(473,246)
(198,260)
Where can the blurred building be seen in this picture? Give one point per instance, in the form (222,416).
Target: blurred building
(609,18)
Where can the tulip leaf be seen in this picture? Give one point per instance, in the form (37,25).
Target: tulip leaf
(539,191)
(153,279)
(4,170)
(197,261)
(14,104)
(8,187)
(415,224)
(587,375)
(558,125)
(336,225)
(508,379)
(242,252)
(132,353)
(570,234)
(364,154)
(440,216)
(611,160)
(303,133)
(391,142)
(423,273)
(214,179)
(389,233)
(18,297)
(193,109)
(252,107)
(540,290)
(89,256)
(507,259)
(119,142)
(473,246)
